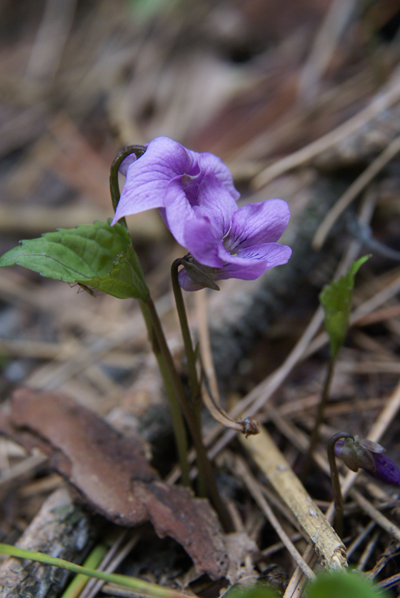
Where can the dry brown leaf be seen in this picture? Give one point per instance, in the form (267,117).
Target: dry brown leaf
(114,475)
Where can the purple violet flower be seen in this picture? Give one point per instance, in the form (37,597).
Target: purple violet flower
(368,455)
(197,199)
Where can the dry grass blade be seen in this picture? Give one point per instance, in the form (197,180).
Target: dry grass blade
(381,102)
(354,190)
(335,22)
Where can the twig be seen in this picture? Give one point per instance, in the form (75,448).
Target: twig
(368,550)
(309,517)
(298,580)
(23,467)
(376,515)
(360,538)
(60,528)
(245,475)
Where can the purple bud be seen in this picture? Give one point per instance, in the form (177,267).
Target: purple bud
(361,453)
(386,470)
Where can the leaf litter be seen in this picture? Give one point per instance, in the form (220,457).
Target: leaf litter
(113,474)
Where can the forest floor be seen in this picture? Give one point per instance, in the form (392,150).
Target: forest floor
(302,101)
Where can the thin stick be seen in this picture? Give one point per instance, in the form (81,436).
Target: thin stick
(335,22)
(309,517)
(245,475)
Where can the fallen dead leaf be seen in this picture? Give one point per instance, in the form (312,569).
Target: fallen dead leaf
(113,474)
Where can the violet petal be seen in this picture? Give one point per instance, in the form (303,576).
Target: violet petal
(203,242)
(148,177)
(258,223)
(252,262)
(386,470)
(211,164)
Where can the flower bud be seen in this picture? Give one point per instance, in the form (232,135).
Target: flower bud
(361,453)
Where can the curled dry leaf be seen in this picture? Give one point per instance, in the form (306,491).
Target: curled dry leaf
(114,475)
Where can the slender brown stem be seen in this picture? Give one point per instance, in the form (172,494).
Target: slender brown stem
(318,418)
(335,480)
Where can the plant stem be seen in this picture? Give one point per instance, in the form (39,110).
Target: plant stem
(187,340)
(202,458)
(318,418)
(174,386)
(138,150)
(335,480)
(142,587)
(177,419)
(194,384)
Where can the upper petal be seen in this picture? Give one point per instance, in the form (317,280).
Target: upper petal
(258,223)
(200,226)
(177,210)
(148,177)
(211,164)
(215,203)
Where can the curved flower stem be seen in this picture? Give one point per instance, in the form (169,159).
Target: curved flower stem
(177,419)
(202,459)
(318,418)
(337,491)
(138,150)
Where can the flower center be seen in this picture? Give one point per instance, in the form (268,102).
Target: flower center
(190,185)
(230,244)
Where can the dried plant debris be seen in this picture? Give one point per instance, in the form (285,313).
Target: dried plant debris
(113,474)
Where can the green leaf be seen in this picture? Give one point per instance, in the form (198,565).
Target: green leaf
(97,255)
(336,300)
(123,280)
(340,584)
(259,590)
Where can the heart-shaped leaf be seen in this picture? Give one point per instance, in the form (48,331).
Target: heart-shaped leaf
(97,255)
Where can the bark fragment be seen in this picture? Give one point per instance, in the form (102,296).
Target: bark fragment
(114,475)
